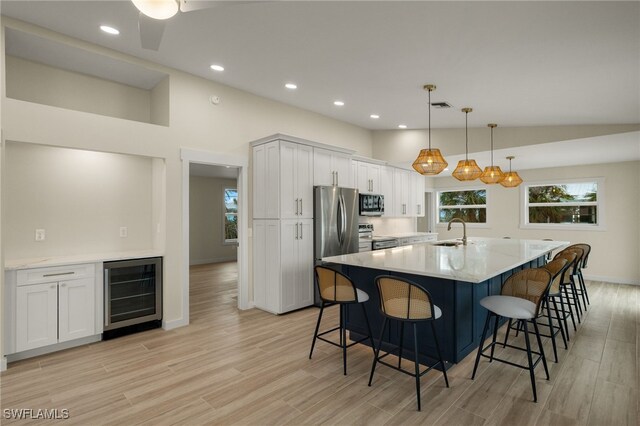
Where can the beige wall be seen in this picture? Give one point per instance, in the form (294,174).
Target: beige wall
(80,198)
(403,145)
(194,123)
(35,82)
(615,250)
(206,208)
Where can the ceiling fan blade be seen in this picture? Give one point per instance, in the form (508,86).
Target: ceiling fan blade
(150,31)
(191,5)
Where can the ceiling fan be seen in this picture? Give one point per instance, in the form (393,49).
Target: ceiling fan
(154,13)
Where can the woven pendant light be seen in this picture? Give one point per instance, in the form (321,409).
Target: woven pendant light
(429,162)
(511,179)
(492,174)
(467,169)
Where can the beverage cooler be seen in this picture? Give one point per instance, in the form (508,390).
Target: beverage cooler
(132,293)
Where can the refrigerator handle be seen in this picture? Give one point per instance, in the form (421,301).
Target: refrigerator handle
(339,220)
(344,219)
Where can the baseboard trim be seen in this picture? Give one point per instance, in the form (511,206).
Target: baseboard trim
(52,348)
(613,280)
(170,325)
(193,262)
(3,364)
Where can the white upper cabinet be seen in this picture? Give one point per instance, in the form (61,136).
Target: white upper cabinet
(416,195)
(368,177)
(296,186)
(266,180)
(386,189)
(331,168)
(401,198)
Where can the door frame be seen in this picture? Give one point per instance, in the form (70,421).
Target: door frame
(189,156)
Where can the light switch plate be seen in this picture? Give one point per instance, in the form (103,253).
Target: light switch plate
(40,235)
(124,232)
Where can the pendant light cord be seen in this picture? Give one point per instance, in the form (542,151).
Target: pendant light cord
(466,135)
(429,119)
(492,147)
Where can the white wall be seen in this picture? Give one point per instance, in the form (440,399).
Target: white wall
(615,250)
(206,239)
(80,198)
(35,82)
(194,123)
(391,225)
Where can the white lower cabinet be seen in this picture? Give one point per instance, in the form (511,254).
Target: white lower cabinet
(283,264)
(53,305)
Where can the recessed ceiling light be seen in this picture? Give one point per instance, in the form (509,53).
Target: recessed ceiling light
(291,86)
(338,103)
(374,116)
(402,126)
(109,30)
(217,67)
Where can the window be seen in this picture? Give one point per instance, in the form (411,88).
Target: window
(230,215)
(569,204)
(468,205)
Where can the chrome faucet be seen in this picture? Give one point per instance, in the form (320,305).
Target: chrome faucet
(464,228)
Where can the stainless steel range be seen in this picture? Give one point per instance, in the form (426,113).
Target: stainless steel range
(368,242)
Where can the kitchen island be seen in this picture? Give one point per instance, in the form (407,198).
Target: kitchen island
(456,276)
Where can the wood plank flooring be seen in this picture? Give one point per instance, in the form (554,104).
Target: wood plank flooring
(251,367)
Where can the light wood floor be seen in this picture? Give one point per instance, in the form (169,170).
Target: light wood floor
(251,367)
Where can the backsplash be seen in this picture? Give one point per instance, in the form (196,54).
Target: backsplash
(392,225)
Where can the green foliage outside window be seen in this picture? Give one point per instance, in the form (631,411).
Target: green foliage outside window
(230,215)
(574,203)
(469,206)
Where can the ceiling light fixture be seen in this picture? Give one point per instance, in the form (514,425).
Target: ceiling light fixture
(291,86)
(374,116)
(429,161)
(157,9)
(338,103)
(492,174)
(402,126)
(109,30)
(467,169)
(511,179)
(217,67)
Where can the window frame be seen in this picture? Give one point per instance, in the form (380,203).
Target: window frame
(230,241)
(599,203)
(436,204)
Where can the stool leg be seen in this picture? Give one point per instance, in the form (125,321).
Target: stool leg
(576,299)
(401,343)
(552,333)
(366,318)
(435,339)
(582,289)
(315,334)
(495,336)
(566,293)
(544,358)
(584,286)
(506,335)
(417,363)
(343,333)
(555,308)
(484,335)
(564,316)
(377,351)
(531,374)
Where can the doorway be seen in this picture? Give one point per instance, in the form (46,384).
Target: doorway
(197,168)
(427,223)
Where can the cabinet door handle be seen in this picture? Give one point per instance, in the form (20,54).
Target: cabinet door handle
(418,207)
(300,206)
(333,178)
(63,285)
(296,207)
(337,179)
(107,296)
(297,231)
(300,230)
(58,274)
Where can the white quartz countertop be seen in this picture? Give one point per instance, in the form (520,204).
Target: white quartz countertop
(41,262)
(479,260)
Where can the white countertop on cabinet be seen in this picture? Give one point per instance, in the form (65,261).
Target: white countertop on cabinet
(481,259)
(41,262)
(408,234)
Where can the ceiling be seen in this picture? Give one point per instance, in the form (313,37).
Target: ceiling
(516,63)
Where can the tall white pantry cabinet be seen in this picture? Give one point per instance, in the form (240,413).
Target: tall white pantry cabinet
(282,226)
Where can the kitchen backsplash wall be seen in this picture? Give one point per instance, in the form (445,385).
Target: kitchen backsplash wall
(390,226)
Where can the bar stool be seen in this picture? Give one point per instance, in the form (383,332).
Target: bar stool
(557,268)
(519,299)
(337,289)
(405,301)
(582,291)
(569,288)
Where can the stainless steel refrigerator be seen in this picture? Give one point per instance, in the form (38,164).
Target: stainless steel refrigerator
(335,222)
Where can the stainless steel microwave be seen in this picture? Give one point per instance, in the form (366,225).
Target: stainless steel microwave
(371,205)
